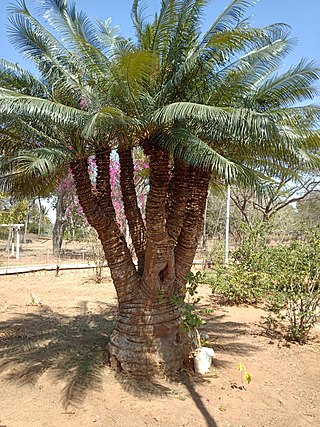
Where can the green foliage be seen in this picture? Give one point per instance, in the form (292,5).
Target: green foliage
(248,254)
(214,98)
(245,374)
(188,300)
(236,284)
(243,281)
(187,306)
(308,210)
(286,276)
(216,252)
(295,272)
(193,281)
(11,212)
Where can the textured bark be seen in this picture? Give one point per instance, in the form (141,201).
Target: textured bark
(130,203)
(188,240)
(157,254)
(177,199)
(148,339)
(100,214)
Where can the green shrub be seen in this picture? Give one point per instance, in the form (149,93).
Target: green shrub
(250,253)
(187,304)
(216,252)
(243,280)
(236,284)
(295,275)
(287,277)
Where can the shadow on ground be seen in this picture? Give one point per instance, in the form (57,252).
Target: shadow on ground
(224,336)
(143,388)
(72,348)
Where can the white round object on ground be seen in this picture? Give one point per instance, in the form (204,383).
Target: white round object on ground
(202,359)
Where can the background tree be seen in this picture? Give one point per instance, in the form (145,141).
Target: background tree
(193,102)
(308,210)
(288,190)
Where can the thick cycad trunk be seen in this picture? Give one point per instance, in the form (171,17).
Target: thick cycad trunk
(148,338)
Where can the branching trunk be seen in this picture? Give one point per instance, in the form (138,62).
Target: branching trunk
(188,240)
(130,203)
(158,244)
(100,214)
(148,338)
(177,199)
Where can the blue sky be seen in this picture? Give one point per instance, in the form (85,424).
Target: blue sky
(302,16)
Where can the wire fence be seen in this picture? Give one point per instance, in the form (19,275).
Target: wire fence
(36,254)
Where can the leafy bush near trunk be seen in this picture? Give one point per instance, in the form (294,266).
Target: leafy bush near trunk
(191,315)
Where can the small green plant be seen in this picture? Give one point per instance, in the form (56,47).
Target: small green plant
(34,299)
(187,306)
(245,374)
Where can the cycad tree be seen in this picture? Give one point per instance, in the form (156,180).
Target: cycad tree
(198,104)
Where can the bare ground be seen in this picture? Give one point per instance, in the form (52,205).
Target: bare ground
(53,373)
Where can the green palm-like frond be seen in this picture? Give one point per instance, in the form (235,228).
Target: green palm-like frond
(229,18)
(137,70)
(267,54)
(194,151)
(109,39)
(107,124)
(138,17)
(27,174)
(16,104)
(289,88)
(259,48)
(227,123)
(53,59)
(214,100)
(66,20)
(16,78)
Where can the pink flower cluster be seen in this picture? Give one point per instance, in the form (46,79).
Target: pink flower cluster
(73,208)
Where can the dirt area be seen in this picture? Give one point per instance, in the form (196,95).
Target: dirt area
(38,251)
(53,332)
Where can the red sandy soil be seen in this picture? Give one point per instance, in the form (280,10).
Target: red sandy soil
(52,372)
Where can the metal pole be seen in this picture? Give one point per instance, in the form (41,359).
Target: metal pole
(226,255)
(12,242)
(18,243)
(9,241)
